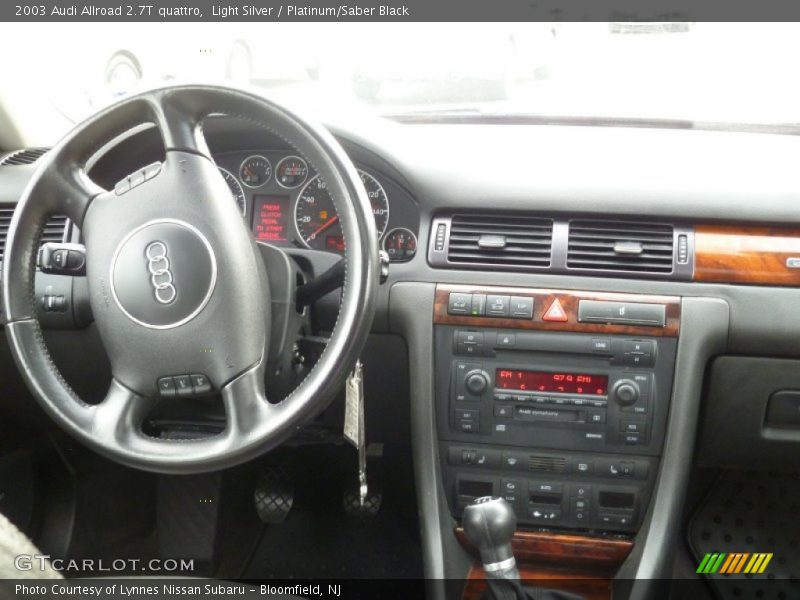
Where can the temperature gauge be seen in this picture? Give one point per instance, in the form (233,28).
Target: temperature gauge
(400,244)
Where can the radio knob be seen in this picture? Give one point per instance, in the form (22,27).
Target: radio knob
(626,392)
(476,382)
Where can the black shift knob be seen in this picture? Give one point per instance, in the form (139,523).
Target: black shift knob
(490,524)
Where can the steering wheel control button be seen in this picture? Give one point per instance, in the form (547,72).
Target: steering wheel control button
(200,384)
(137,178)
(459,304)
(183,385)
(166,387)
(522,307)
(163,274)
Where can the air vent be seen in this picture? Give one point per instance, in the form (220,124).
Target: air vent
(54,230)
(23,157)
(620,246)
(501,241)
(549,464)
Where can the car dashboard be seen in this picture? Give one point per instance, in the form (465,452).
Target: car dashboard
(559,301)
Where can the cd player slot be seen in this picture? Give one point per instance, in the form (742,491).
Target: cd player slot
(550,415)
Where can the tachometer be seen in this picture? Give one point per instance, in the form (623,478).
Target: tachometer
(236,190)
(318,222)
(255,171)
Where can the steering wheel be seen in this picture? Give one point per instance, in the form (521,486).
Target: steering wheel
(176,283)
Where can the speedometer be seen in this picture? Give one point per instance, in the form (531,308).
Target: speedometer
(237,192)
(378,201)
(318,222)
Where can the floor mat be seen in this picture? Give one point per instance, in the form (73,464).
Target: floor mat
(749,514)
(318,541)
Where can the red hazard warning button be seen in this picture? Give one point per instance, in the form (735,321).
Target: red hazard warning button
(556,312)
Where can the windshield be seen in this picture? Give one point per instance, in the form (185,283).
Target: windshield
(723,73)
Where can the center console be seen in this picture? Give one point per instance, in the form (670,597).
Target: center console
(555,400)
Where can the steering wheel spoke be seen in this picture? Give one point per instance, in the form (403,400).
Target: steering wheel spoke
(119,416)
(246,406)
(179,119)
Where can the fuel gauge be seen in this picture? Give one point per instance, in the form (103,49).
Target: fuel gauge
(400,244)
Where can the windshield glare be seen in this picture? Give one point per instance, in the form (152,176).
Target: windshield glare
(729,73)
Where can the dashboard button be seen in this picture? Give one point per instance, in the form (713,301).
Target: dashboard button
(467,413)
(596,416)
(506,340)
(522,307)
(601,345)
(459,304)
(478,305)
(468,426)
(497,306)
(503,410)
(555,313)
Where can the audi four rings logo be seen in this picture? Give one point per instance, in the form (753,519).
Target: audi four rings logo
(160,273)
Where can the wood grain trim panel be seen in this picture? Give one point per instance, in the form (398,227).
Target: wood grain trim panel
(754,255)
(569,299)
(563,549)
(583,565)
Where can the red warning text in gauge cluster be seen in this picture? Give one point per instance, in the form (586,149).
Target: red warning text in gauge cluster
(271,218)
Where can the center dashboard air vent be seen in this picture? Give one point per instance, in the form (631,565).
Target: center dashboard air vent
(496,241)
(621,246)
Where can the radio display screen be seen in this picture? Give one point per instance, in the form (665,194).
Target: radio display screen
(541,381)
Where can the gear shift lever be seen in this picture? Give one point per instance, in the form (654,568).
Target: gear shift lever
(490,524)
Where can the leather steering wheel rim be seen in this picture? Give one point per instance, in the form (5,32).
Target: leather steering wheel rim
(179,204)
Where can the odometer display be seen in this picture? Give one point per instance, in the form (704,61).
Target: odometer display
(318,222)
(541,381)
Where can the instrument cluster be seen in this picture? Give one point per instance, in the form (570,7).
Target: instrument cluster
(286,203)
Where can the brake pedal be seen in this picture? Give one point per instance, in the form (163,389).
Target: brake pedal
(274,493)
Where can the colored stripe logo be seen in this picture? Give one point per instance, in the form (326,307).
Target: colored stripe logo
(733,563)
